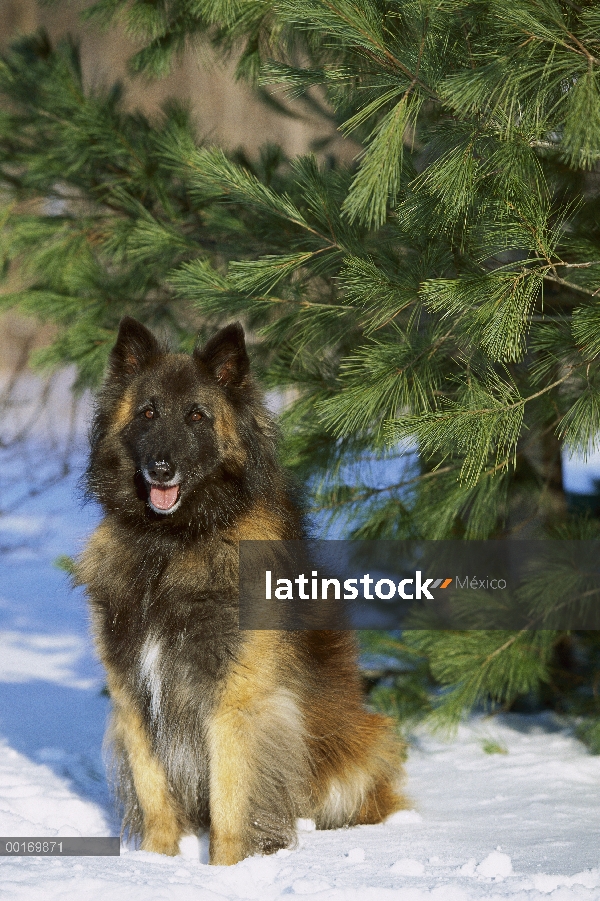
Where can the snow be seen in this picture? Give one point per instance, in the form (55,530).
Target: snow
(581,471)
(521,824)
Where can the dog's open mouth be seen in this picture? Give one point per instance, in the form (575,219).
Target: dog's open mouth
(164,499)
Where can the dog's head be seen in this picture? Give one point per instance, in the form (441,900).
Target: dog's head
(176,433)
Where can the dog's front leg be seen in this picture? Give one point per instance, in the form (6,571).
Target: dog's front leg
(255,772)
(161,830)
(231,754)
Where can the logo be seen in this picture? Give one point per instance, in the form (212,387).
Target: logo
(416,588)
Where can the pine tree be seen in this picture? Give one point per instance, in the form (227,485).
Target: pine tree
(442,293)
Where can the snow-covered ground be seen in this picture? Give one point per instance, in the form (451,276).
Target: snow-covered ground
(520,823)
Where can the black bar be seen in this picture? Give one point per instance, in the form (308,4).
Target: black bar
(48,846)
(401,585)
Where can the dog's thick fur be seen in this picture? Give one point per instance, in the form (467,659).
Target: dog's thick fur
(211,726)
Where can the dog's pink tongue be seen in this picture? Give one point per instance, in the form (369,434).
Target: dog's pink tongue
(164,498)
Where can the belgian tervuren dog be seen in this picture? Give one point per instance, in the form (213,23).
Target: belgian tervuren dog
(238,731)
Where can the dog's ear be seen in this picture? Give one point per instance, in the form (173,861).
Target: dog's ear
(135,347)
(225,356)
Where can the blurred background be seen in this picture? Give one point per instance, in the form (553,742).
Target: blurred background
(43,426)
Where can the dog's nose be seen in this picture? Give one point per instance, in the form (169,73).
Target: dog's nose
(160,470)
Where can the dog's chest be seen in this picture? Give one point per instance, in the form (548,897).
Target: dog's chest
(151,674)
(184,642)
(178,667)
(165,617)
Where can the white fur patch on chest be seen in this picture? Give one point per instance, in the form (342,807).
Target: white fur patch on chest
(150,676)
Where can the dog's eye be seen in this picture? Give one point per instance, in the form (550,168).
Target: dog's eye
(196,416)
(149,413)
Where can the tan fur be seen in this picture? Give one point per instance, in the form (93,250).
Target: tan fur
(228,437)
(355,754)
(123,413)
(341,763)
(162,827)
(259,525)
(97,545)
(103,544)
(365,778)
(255,716)
(361,789)
(379,804)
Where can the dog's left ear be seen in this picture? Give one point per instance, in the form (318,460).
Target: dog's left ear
(225,356)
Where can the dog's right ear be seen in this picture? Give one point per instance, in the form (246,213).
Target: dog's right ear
(135,347)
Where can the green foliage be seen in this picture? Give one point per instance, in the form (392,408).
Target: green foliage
(589,733)
(489,746)
(404,692)
(67,564)
(483,668)
(440,294)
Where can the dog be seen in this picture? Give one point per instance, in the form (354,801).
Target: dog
(212,727)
